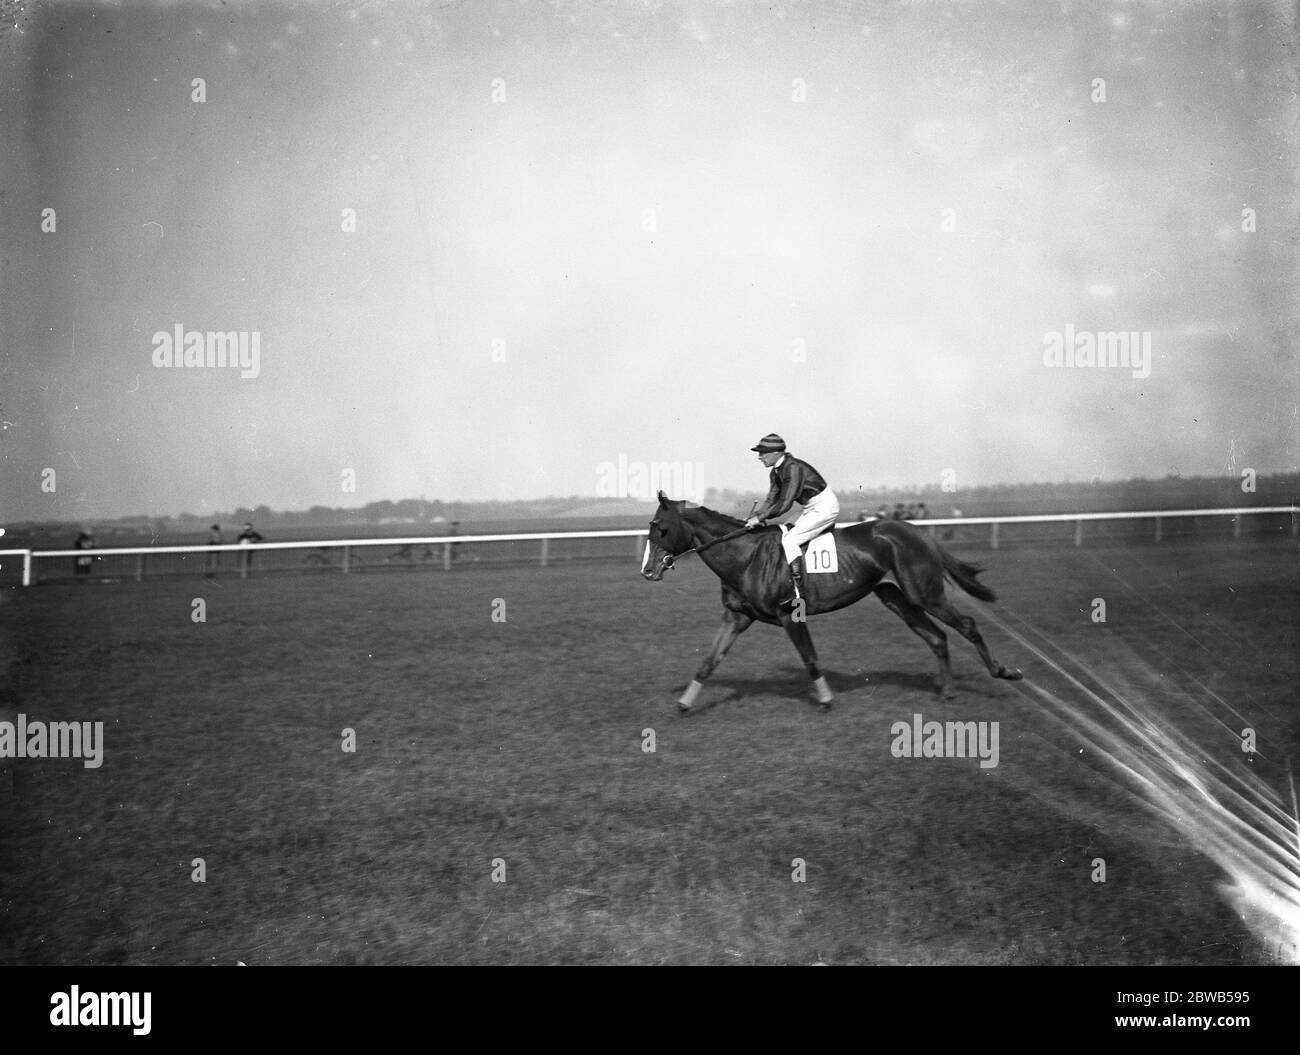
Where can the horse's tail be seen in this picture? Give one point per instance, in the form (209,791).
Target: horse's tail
(963,575)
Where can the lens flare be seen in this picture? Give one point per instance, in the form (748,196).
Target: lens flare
(1226,812)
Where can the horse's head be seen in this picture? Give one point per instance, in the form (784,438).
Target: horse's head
(669,537)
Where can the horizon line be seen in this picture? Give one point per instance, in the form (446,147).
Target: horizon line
(916,490)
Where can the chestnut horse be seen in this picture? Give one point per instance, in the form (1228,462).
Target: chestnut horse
(899,563)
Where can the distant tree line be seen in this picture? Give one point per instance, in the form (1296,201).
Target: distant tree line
(1097,496)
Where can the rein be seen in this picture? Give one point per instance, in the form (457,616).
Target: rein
(671,559)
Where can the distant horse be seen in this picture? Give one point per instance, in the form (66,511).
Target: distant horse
(900,564)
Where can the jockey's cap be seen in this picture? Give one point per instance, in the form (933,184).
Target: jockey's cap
(769,443)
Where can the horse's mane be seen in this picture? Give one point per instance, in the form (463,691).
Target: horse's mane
(734,521)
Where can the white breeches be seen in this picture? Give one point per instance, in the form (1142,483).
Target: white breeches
(821,511)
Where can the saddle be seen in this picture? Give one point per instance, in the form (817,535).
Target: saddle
(824,531)
(821,552)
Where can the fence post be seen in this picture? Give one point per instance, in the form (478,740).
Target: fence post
(243,563)
(1157,529)
(994,535)
(446,556)
(1295,523)
(139,567)
(545,551)
(1078,532)
(347,559)
(1236,526)
(27,563)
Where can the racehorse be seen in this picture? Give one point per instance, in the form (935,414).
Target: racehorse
(899,563)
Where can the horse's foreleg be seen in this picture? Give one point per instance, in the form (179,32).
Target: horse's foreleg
(896,601)
(733,625)
(798,631)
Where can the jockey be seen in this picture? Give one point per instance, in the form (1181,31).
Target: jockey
(794,481)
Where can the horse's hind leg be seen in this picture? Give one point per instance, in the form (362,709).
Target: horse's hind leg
(894,599)
(733,625)
(798,631)
(965,626)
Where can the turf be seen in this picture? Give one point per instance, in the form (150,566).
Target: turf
(521,741)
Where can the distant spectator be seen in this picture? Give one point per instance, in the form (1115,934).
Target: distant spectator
(911,512)
(246,538)
(921,512)
(883,512)
(81,564)
(213,560)
(455,546)
(950,532)
(899,511)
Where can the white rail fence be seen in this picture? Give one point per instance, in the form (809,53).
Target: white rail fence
(319,551)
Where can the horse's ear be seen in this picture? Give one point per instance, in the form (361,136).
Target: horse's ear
(663,500)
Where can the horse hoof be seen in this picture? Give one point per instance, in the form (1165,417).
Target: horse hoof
(823,708)
(1010,674)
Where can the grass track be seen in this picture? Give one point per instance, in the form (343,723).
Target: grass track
(521,740)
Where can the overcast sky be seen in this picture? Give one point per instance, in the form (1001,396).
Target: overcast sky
(690,224)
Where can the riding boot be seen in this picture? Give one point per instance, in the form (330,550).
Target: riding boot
(796,573)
